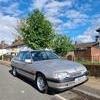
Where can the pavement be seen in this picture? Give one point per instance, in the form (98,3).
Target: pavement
(91,87)
(93,82)
(19,88)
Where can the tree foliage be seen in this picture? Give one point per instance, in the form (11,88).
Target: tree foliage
(62,44)
(37,31)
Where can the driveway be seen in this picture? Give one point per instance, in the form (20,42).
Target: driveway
(20,88)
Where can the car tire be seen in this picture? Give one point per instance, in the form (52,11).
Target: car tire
(41,83)
(14,72)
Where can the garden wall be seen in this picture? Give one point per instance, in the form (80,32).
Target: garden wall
(94,70)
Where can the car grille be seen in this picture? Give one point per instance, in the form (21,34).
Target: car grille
(75,74)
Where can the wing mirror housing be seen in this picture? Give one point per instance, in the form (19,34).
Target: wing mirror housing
(28,61)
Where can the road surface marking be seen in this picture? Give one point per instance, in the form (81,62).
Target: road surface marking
(60,97)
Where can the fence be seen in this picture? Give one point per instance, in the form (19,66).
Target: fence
(94,69)
(86,59)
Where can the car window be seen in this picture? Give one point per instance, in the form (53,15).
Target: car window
(42,56)
(51,55)
(37,56)
(26,55)
(21,55)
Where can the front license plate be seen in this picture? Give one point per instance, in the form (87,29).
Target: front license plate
(79,79)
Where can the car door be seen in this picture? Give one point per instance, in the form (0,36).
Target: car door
(39,58)
(17,61)
(20,63)
(28,70)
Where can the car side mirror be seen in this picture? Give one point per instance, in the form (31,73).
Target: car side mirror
(28,61)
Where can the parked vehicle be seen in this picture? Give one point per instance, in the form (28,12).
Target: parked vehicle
(48,70)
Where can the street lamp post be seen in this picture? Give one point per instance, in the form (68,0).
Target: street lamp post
(98,30)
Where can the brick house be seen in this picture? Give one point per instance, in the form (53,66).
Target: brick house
(88,51)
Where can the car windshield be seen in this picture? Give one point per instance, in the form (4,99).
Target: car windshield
(43,55)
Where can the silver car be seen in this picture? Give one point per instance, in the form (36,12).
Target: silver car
(48,70)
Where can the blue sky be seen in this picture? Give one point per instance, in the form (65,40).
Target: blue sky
(78,19)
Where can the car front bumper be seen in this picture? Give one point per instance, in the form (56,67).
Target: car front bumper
(66,84)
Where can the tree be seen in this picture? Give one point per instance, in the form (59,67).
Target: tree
(37,31)
(62,44)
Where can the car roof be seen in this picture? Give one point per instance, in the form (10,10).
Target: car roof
(33,50)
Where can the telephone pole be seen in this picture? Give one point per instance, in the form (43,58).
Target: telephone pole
(98,30)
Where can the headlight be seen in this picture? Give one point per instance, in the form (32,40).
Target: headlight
(61,75)
(83,70)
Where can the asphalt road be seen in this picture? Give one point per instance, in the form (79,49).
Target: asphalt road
(20,88)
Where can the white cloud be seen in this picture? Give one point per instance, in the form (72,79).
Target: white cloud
(49,4)
(75,14)
(90,33)
(74,23)
(8,21)
(12,9)
(55,20)
(7,28)
(57,4)
(53,10)
(52,13)
(86,7)
(76,18)
(84,38)
(39,4)
(92,29)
